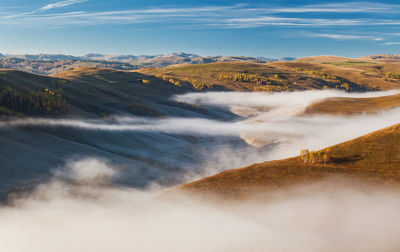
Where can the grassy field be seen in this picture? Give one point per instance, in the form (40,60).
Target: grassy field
(350,106)
(371,77)
(270,77)
(303,74)
(102,92)
(351,63)
(374,158)
(97,92)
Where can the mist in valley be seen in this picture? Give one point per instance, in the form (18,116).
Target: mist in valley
(96,202)
(78,210)
(267,127)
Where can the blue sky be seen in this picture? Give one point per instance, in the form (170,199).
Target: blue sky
(252,28)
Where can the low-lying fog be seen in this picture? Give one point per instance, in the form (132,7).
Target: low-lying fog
(271,125)
(77,210)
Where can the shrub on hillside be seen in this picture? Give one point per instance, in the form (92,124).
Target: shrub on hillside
(142,110)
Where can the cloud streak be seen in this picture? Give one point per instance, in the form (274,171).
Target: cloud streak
(349,7)
(344,36)
(235,16)
(390,43)
(61,4)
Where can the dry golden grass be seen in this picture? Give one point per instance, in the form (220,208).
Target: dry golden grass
(374,158)
(362,76)
(350,106)
(322,58)
(371,76)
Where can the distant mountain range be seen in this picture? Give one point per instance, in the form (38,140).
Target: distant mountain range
(48,64)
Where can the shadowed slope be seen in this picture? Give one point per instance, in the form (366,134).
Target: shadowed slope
(31,152)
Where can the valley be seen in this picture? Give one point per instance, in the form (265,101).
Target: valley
(169,130)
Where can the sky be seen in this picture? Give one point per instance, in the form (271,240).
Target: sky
(286,28)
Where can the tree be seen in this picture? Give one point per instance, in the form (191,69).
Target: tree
(304,153)
(325,158)
(312,157)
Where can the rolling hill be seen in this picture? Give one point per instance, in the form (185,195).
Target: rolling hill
(281,76)
(55,63)
(96,96)
(374,158)
(351,106)
(98,92)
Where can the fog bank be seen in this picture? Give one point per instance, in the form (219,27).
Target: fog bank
(77,216)
(271,126)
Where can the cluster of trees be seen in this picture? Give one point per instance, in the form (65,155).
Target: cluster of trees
(393,75)
(244,77)
(270,88)
(172,80)
(192,107)
(319,74)
(341,83)
(322,156)
(142,110)
(38,103)
(189,82)
(198,84)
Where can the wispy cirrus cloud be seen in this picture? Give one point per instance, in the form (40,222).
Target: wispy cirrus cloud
(390,43)
(349,7)
(344,36)
(61,4)
(264,21)
(220,17)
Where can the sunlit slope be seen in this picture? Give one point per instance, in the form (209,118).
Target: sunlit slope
(378,58)
(350,106)
(373,158)
(27,82)
(280,76)
(380,72)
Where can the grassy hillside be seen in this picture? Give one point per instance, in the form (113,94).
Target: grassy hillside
(31,152)
(87,92)
(372,76)
(374,158)
(350,106)
(102,92)
(379,58)
(281,76)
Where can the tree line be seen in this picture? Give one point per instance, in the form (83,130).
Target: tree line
(189,82)
(393,75)
(340,82)
(44,102)
(252,78)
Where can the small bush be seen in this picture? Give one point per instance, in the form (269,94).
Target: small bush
(142,110)
(192,107)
